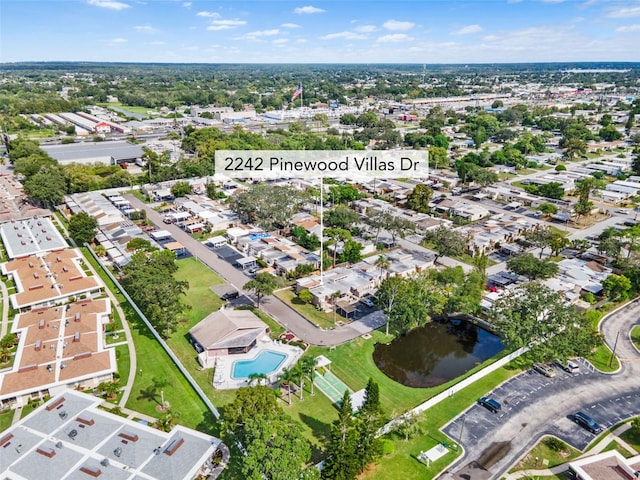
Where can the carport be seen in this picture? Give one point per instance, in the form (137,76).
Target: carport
(246,262)
(346,308)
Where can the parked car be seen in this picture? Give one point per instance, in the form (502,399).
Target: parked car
(367,301)
(254,270)
(230,295)
(622,211)
(544,369)
(570,366)
(490,404)
(585,421)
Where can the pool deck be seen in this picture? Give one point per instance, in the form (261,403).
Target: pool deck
(222,378)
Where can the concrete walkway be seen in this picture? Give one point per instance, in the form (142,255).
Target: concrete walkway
(272,305)
(133,359)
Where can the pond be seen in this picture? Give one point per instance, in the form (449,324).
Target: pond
(436,353)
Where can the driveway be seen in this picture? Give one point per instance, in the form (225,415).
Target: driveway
(272,305)
(534,405)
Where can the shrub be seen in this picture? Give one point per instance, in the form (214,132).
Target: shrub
(387,446)
(555,444)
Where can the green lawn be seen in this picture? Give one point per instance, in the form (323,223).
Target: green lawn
(602,359)
(5,420)
(402,464)
(159,374)
(124,362)
(632,437)
(619,448)
(199,295)
(317,317)
(541,451)
(635,336)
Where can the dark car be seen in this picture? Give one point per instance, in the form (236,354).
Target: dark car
(490,404)
(585,421)
(230,295)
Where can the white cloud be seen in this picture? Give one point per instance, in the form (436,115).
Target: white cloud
(158,42)
(208,14)
(467,30)
(398,25)
(366,28)
(144,28)
(514,1)
(225,24)
(187,4)
(264,33)
(395,37)
(553,1)
(624,12)
(628,28)
(118,41)
(280,41)
(290,25)
(344,35)
(110,4)
(308,9)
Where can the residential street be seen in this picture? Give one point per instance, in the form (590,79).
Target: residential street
(489,453)
(272,305)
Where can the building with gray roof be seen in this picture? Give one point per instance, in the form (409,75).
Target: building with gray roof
(70,437)
(111,153)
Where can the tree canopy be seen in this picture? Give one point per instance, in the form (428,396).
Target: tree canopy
(82,228)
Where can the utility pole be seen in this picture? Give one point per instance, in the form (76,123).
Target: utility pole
(615,345)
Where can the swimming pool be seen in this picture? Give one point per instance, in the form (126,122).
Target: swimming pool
(266,362)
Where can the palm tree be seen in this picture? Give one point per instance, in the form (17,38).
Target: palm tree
(258,378)
(308,366)
(334,299)
(382,263)
(287,377)
(298,373)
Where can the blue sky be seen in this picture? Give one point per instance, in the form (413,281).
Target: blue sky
(281,31)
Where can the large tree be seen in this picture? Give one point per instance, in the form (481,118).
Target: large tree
(47,187)
(534,315)
(148,278)
(83,228)
(263,285)
(343,460)
(341,217)
(267,206)
(274,444)
(528,265)
(446,242)
(419,198)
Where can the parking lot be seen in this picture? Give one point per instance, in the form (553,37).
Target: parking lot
(477,425)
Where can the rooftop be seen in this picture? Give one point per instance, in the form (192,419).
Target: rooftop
(58,345)
(70,437)
(46,277)
(31,236)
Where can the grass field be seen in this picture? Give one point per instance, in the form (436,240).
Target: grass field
(5,420)
(199,296)
(541,451)
(308,311)
(402,463)
(159,374)
(635,336)
(632,437)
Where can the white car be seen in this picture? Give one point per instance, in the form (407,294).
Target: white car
(367,301)
(622,211)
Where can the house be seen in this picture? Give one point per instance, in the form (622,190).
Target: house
(58,346)
(226,332)
(216,242)
(176,247)
(71,437)
(48,278)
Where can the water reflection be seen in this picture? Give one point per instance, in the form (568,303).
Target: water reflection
(436,353)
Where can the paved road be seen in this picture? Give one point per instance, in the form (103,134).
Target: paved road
(275,307)
(549,409)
